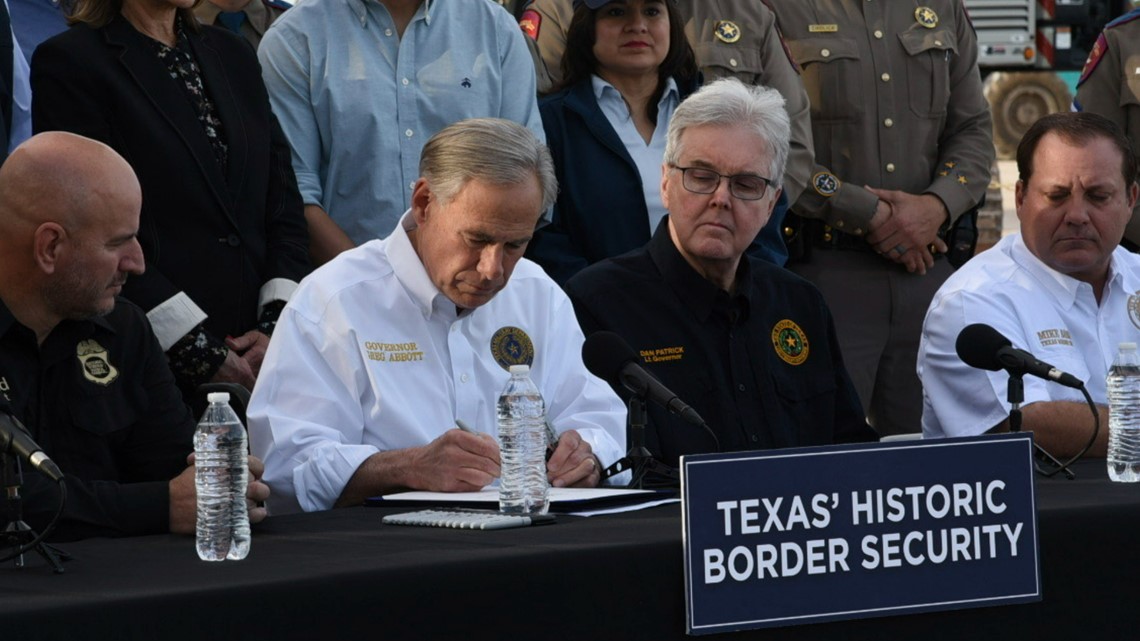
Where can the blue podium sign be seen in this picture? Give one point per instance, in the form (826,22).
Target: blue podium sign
(785,537)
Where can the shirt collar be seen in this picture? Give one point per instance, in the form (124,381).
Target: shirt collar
(1062,287)
(360,8)
(8,322)
(410,270)
(699,294)
(604,91)
(255,13)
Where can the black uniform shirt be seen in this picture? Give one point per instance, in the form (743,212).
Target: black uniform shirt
(98,397)
(761,366)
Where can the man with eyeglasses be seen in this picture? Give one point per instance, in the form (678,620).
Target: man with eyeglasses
(750,346)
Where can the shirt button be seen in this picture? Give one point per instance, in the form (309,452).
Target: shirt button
(937,43)
(388,32)
(839,224)
(732,62)
(462,378)
(890,167)
(740,387)
(826,53)
(755,438)
(888,123)
(232,240)
(886,77)
(857,231)
(878,34)
(405,81)
(408,133)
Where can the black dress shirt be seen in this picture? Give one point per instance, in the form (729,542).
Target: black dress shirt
(98,397)
(761,365)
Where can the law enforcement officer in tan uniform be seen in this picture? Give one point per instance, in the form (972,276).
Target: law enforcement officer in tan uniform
(903,148)
(731,38)
(1110,86)
(247,18)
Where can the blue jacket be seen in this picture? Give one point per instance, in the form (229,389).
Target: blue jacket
(601,211)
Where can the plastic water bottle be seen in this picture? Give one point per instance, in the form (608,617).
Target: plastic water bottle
(1124,416)
(523,488)
(221,473)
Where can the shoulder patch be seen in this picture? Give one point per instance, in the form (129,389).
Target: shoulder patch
(531,23)
(780,35)
(1094,58)
(825,184)
(1101,46)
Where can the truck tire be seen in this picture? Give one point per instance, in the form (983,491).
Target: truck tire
(1017,99)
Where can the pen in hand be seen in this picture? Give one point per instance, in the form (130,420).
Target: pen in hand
(551,439)
(551,435)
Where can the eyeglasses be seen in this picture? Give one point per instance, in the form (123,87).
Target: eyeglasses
(705,181)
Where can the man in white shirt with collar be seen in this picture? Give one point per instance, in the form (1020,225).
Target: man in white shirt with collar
(1062,289)
(383,350)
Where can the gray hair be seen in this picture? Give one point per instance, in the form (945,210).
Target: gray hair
(729,103)
(491,150)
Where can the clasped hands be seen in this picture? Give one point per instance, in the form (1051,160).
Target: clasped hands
(905,226)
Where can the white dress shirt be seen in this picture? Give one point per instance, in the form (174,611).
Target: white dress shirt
(369,356)
(1053,316)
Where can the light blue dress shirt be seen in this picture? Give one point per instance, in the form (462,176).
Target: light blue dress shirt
(647,157)
(358,103)
(21,94)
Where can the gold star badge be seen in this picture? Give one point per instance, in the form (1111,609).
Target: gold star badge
(926,17)
(727,31)
(962,180)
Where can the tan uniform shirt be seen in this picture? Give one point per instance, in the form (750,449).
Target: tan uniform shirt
(1110,86)
(896,103)
(259,16)
(730,38)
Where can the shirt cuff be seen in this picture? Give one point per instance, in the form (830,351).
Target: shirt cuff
(321,479)
(174,318)
(276,289)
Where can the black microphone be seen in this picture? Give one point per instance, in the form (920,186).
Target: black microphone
(984,347)
(610,358)
(14,438)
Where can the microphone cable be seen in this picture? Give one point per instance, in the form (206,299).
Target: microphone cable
(34,543)
(1092,439)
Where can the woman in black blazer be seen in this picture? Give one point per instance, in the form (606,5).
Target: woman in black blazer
(222,225)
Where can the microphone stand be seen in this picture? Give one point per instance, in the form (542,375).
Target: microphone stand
(1015,394)
(638,459)
(18,533)
(638,454)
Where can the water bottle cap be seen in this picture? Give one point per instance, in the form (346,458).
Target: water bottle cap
(1127,347)
(218,397)
(520,369)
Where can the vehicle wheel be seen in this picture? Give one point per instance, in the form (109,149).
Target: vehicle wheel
(1017,99)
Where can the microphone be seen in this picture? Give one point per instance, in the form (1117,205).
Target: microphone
(610,358)
(14,438)
(984,347)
